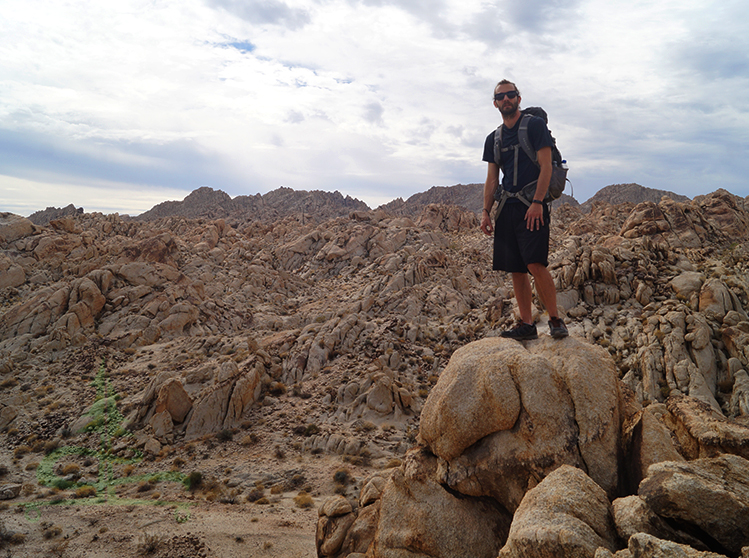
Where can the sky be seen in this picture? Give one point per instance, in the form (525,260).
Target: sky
(118,106)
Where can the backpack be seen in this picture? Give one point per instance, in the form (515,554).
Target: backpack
(558,165)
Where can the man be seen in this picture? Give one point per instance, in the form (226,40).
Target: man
(521,232)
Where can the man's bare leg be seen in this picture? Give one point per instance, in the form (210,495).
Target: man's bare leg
(521,284)
(547,292)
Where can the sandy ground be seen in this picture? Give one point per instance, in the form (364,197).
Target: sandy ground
(201,529)
(169,521)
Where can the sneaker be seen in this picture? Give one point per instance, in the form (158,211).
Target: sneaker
(521,332)
(557,329)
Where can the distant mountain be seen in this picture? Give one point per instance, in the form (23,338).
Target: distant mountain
(215,204)
(42,218)
(634,193)
(318,206)
(468,196)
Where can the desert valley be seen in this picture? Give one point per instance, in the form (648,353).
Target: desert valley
(298,375)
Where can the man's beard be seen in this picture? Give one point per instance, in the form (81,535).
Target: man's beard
(508,111)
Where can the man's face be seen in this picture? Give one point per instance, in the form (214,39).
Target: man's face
(506,105)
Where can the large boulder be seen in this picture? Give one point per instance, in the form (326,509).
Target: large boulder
(642,545)
(336,516)
(709,497)
(13,227)
(504,414)
(566,515)
(701,431)
(647,440)
(419,518)
(632,515)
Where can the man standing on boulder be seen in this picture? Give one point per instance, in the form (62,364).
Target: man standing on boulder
(521,232)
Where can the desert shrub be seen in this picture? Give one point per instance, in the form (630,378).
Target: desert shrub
(144,486)
(364,426)
(50,446)
(62,484)
(298,480)
(150,543)
(193,480)
(20,451)
(225,435)
(304,500)
(71,469)
(128,469)
(250,440)
(262,501)
(277,388)
(279,453)
(342,476)
(311,429)
(51,531)
(85,492)
(33,466)
(276,489)
(255,494)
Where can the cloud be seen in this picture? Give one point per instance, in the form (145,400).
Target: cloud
(176,164)
(271,12)
(295,117)
(373,113)
(374,98)
(538,16)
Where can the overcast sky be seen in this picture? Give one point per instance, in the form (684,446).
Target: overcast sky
(116,107)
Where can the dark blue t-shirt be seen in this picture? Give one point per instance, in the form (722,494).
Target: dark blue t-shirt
(539,136)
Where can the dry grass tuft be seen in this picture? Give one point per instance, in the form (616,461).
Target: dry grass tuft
(304,500)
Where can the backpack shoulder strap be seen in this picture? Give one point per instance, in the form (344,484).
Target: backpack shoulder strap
(524,140)
(498,145)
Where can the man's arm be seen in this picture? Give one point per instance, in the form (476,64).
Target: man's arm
(490,187)
(534,217)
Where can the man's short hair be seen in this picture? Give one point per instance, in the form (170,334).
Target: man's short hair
(507,82)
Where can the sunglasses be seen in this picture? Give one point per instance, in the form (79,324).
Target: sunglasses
(508,94)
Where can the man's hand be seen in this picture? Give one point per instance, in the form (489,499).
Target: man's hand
(486,224)
(534,217)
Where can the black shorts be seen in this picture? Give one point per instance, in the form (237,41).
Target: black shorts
(514,245)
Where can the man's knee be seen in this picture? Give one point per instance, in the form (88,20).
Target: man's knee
(536,268)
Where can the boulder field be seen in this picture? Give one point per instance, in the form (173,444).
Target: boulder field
(371,338)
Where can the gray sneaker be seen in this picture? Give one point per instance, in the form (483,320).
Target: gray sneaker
(521,332)
(557,329)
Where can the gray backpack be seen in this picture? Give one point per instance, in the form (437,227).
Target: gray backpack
(558,165)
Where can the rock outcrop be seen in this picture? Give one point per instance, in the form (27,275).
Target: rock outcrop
(541,436)
(490,421)
(345,332)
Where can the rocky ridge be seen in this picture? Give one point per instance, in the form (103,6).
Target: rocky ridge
(629,193)
(327,338)
(205,202)
(467,196)
(44,216)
